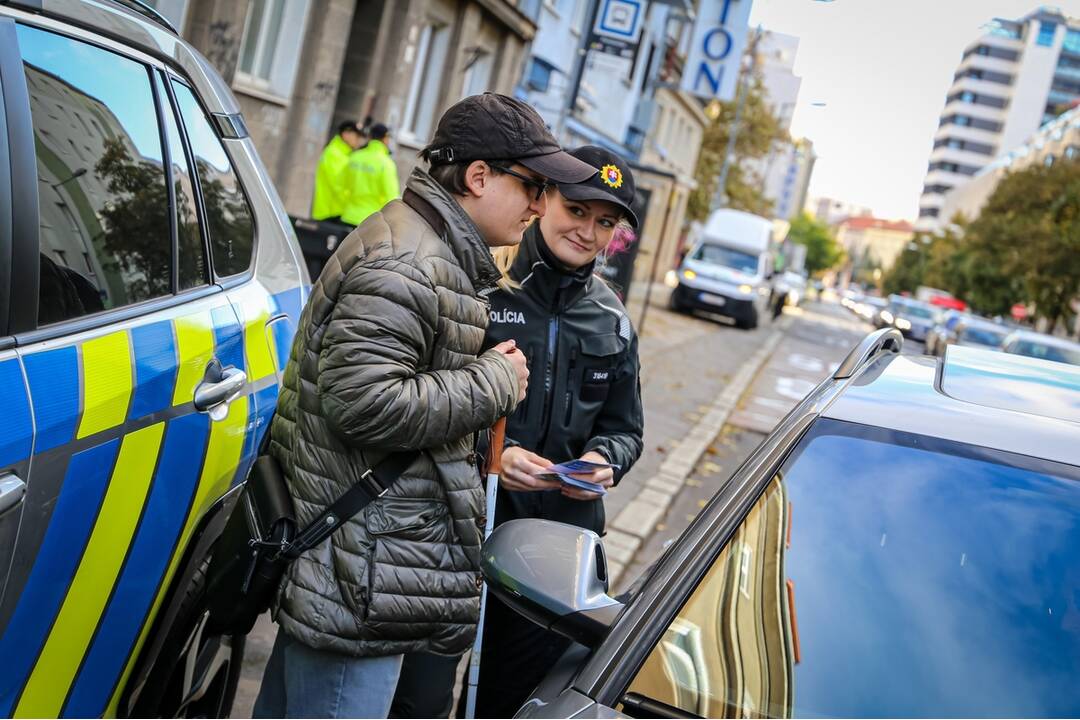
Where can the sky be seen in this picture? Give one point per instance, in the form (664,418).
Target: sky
(882,68)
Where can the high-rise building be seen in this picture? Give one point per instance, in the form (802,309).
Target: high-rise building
(785,172)
(1019,75)
(787,176)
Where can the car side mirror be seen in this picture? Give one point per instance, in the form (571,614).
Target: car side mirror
(554,574)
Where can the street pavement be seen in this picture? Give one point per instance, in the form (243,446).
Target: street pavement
(694,370)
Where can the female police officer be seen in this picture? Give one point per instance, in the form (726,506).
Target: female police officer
(584,401)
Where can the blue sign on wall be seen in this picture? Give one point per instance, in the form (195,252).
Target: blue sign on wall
(712,69)
(620,19)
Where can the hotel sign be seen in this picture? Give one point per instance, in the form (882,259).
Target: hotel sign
(712,69)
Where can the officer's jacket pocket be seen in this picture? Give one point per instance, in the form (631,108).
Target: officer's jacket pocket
(599,354)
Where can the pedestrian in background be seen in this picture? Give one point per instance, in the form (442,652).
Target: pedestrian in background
(584,402)
(370,178)
(387,359)
(329,199)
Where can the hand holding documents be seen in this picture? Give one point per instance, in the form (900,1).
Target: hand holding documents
(564,473)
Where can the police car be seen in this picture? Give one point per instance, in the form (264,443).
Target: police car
(150,285)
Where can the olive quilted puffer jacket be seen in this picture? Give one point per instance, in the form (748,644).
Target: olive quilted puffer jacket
(385,359)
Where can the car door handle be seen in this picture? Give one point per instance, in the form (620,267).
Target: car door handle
(12,490)
(212,394)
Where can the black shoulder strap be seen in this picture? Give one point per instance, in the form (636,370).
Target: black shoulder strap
(372,485)
(425,210)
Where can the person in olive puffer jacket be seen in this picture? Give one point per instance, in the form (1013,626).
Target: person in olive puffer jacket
(387,359)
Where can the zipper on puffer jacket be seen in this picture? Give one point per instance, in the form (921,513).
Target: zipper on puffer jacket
(549,369)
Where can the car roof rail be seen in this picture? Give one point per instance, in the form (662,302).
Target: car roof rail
(868,347)
(148,12)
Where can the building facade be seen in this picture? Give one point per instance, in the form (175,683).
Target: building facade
(624,97)
(831,211)
(300,67)
(871,241)
(787,176)
(1057,140)
(1015,78)
(785,172)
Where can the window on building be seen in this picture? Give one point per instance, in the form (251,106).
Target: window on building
(424,87)
(928,212)
(478,73)
(1048,160)
(191,253)
(1047,30)
(228,216)
(967,96)
(1072,41)
(961,119)
(539,77)
(1070,152)
(268,56)
(110,207)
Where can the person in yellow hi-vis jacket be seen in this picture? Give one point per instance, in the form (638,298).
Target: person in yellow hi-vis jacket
(370,179)
(328,201)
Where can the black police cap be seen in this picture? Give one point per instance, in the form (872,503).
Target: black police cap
(614,182)
(497,127)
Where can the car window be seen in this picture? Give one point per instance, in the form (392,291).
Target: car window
(887,574)
(726,257)
(982,336)
(1046,352)
(228,215)
(105,237)
(913,310)
(191,254)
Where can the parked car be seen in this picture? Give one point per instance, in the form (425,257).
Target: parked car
(946,324)
(912,318)
(967,330)
(884,318)
(151,288)
(870,307)
(1040,345)
(903,544)
(728,269)
(793,284)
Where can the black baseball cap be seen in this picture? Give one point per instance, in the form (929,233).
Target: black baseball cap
(497,127)
(614,182)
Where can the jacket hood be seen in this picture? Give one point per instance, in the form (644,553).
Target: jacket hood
(461,233)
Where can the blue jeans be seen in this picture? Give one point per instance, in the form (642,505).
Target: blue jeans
(300,682)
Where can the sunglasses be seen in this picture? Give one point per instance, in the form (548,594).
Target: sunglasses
(540,185)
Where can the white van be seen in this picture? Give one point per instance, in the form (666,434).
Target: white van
(728,269)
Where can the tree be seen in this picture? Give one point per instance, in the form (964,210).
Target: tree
(758,130)
(908,271)
(822,250)
(1027,238)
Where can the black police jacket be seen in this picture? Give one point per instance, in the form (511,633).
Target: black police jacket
(584,393)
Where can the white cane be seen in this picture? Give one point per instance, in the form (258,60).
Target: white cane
(494,465)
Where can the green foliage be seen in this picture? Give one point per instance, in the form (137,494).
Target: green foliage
(822,250)
(1027,240)
(908,271)
(758,130)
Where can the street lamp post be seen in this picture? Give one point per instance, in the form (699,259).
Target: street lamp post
(77,174)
